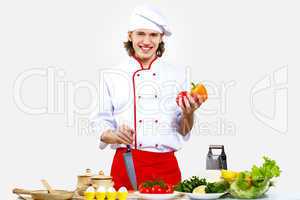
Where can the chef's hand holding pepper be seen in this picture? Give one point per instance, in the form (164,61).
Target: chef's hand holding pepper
(189,104)
(123,135)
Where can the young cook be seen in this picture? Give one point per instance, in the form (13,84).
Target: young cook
(138,104)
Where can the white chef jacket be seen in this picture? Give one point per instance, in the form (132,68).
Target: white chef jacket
(145,100)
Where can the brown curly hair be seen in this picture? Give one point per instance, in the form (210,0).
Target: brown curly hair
(129,48)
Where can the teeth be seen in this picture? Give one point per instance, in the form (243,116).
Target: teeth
(146,48)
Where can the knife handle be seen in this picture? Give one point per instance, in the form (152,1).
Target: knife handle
(128,148)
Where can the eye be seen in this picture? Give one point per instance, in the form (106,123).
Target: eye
(140,33)
(154,34)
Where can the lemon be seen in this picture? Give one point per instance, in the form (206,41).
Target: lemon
(199,190)
(228,175)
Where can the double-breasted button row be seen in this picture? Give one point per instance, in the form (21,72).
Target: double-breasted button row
(140,96)
(153,74)
(156,145)
(141,121)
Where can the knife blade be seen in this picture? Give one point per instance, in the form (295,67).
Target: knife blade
(130,167)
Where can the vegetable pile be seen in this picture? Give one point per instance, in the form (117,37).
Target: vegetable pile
(197,185)
(254,183)
(243,185)
(156,187)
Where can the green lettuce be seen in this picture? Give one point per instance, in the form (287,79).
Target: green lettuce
(254,183)
(249,193)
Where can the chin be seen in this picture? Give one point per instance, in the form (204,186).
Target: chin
(145,56)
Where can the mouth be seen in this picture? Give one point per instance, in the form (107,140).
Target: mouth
(145,49)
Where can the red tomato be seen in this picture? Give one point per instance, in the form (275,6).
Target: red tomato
(169,188)
(181,95)
(160,190)
(145,190)
(140,187)
(156,189)
(142,190)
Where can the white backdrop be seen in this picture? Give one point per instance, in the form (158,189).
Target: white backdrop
(247,52)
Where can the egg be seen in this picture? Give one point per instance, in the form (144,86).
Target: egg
(89,194)
(111,193)
(122,193)
(122,189)
(101,193)
(90,189)
(111,189)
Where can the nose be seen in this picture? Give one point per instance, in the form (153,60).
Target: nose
(146,40)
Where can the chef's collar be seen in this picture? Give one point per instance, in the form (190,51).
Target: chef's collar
(137,64)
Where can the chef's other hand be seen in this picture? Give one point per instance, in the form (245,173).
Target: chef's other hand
(123,135)
(189,104)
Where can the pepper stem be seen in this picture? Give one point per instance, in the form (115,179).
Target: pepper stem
(193,85)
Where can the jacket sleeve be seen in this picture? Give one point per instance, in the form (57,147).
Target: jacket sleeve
(103,119)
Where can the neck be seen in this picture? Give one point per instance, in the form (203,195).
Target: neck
(145,63)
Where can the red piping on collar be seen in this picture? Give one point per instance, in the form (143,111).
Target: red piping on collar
(134,97)
(141,64)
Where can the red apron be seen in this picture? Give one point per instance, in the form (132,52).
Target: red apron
(148,166)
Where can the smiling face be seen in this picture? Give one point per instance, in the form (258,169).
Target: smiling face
(145,43)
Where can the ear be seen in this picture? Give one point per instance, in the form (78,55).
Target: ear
(161,38)
(129,36)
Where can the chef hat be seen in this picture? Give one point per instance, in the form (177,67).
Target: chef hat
(148,17)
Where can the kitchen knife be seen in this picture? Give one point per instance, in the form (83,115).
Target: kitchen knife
(130,167)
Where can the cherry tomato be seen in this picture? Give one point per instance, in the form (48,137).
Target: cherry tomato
(169,188)
(160,190)
(146,190)
(154,189)
(140,187)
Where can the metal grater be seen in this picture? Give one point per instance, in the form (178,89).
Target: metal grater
(216,161)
